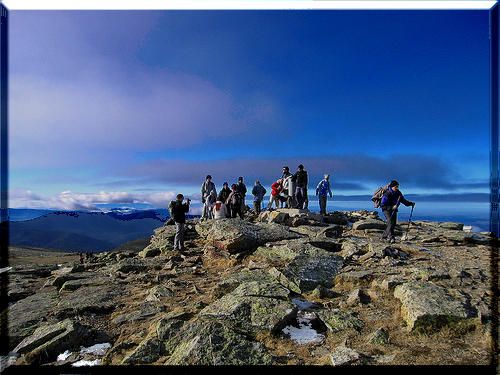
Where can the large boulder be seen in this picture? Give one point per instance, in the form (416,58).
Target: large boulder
(49,340)
(98,299)
(252,307)
(427,307)
(236,235)
(339,320)
(27,314)
(369,224)
(310,272)
(212,343)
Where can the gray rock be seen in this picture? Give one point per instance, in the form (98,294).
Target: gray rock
(72,285)
(25,315)
(427,307)
(228,284)
(308,272)
(343,356)
(253,306)
(145,311)
(337,320)
(34,270)
(236,235)
(451,226)
(369,224)
(354,278)
(158,292)
(149,252)
(92,299)
(48,341)
(336,217)
(356,297)
(63,277)
(322,292)
(148,351)
(379,337)
(214,343)
(130,265)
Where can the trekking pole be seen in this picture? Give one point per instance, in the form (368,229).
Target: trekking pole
(405,237)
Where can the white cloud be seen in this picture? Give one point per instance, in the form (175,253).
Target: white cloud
(68,200)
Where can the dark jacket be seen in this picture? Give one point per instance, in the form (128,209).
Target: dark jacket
(241,188)
(258,192)
(223,194)
(391,197)
(301,178)
(178,211)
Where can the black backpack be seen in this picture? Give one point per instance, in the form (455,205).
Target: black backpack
(236,199)
(378,194)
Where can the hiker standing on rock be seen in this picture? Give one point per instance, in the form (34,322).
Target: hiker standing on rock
(242,189)
(258,193)
(234,202)
(300,178)
(276,189)
(288,186)
(389,204)
(206,189)
(178,213)
(223,194)
(288,191)
(322,190)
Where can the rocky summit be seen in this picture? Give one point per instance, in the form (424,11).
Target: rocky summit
(286,287)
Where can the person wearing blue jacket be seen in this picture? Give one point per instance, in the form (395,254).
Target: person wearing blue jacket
(391,200)
(258,193)
(322,190)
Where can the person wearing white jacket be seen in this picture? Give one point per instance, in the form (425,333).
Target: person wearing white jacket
(219,210)
(289,187)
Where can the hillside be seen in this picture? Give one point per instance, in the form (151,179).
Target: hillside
(285,288)
(83,231)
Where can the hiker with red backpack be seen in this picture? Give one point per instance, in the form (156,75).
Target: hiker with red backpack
(276,189)
(391,199)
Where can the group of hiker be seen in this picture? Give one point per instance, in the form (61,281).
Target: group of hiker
(290,191)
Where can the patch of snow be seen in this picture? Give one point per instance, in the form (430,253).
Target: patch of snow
(97,349)
(85,362)
(63,356)
(59,265)
(304,334)
(5,269)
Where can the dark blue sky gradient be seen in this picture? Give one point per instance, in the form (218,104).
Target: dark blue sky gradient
(355,88)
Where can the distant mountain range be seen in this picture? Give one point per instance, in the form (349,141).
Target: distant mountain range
(76,231)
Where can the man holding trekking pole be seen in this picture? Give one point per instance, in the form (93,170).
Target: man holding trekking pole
(390,203)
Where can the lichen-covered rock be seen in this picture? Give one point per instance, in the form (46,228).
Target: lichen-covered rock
(92,299)
(130,265)
(253,306)
(25,315)
(338,320)
(149,252)
(236,235)
(451,225)
(354,278)
(48,341)
(368,224)
(212,342)
(308,272)
(227,285)
(343,356)
(379,337)
(428,307)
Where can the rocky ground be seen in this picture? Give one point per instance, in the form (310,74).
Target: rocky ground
(285,288)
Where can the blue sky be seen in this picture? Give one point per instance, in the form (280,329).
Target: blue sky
(135,106)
